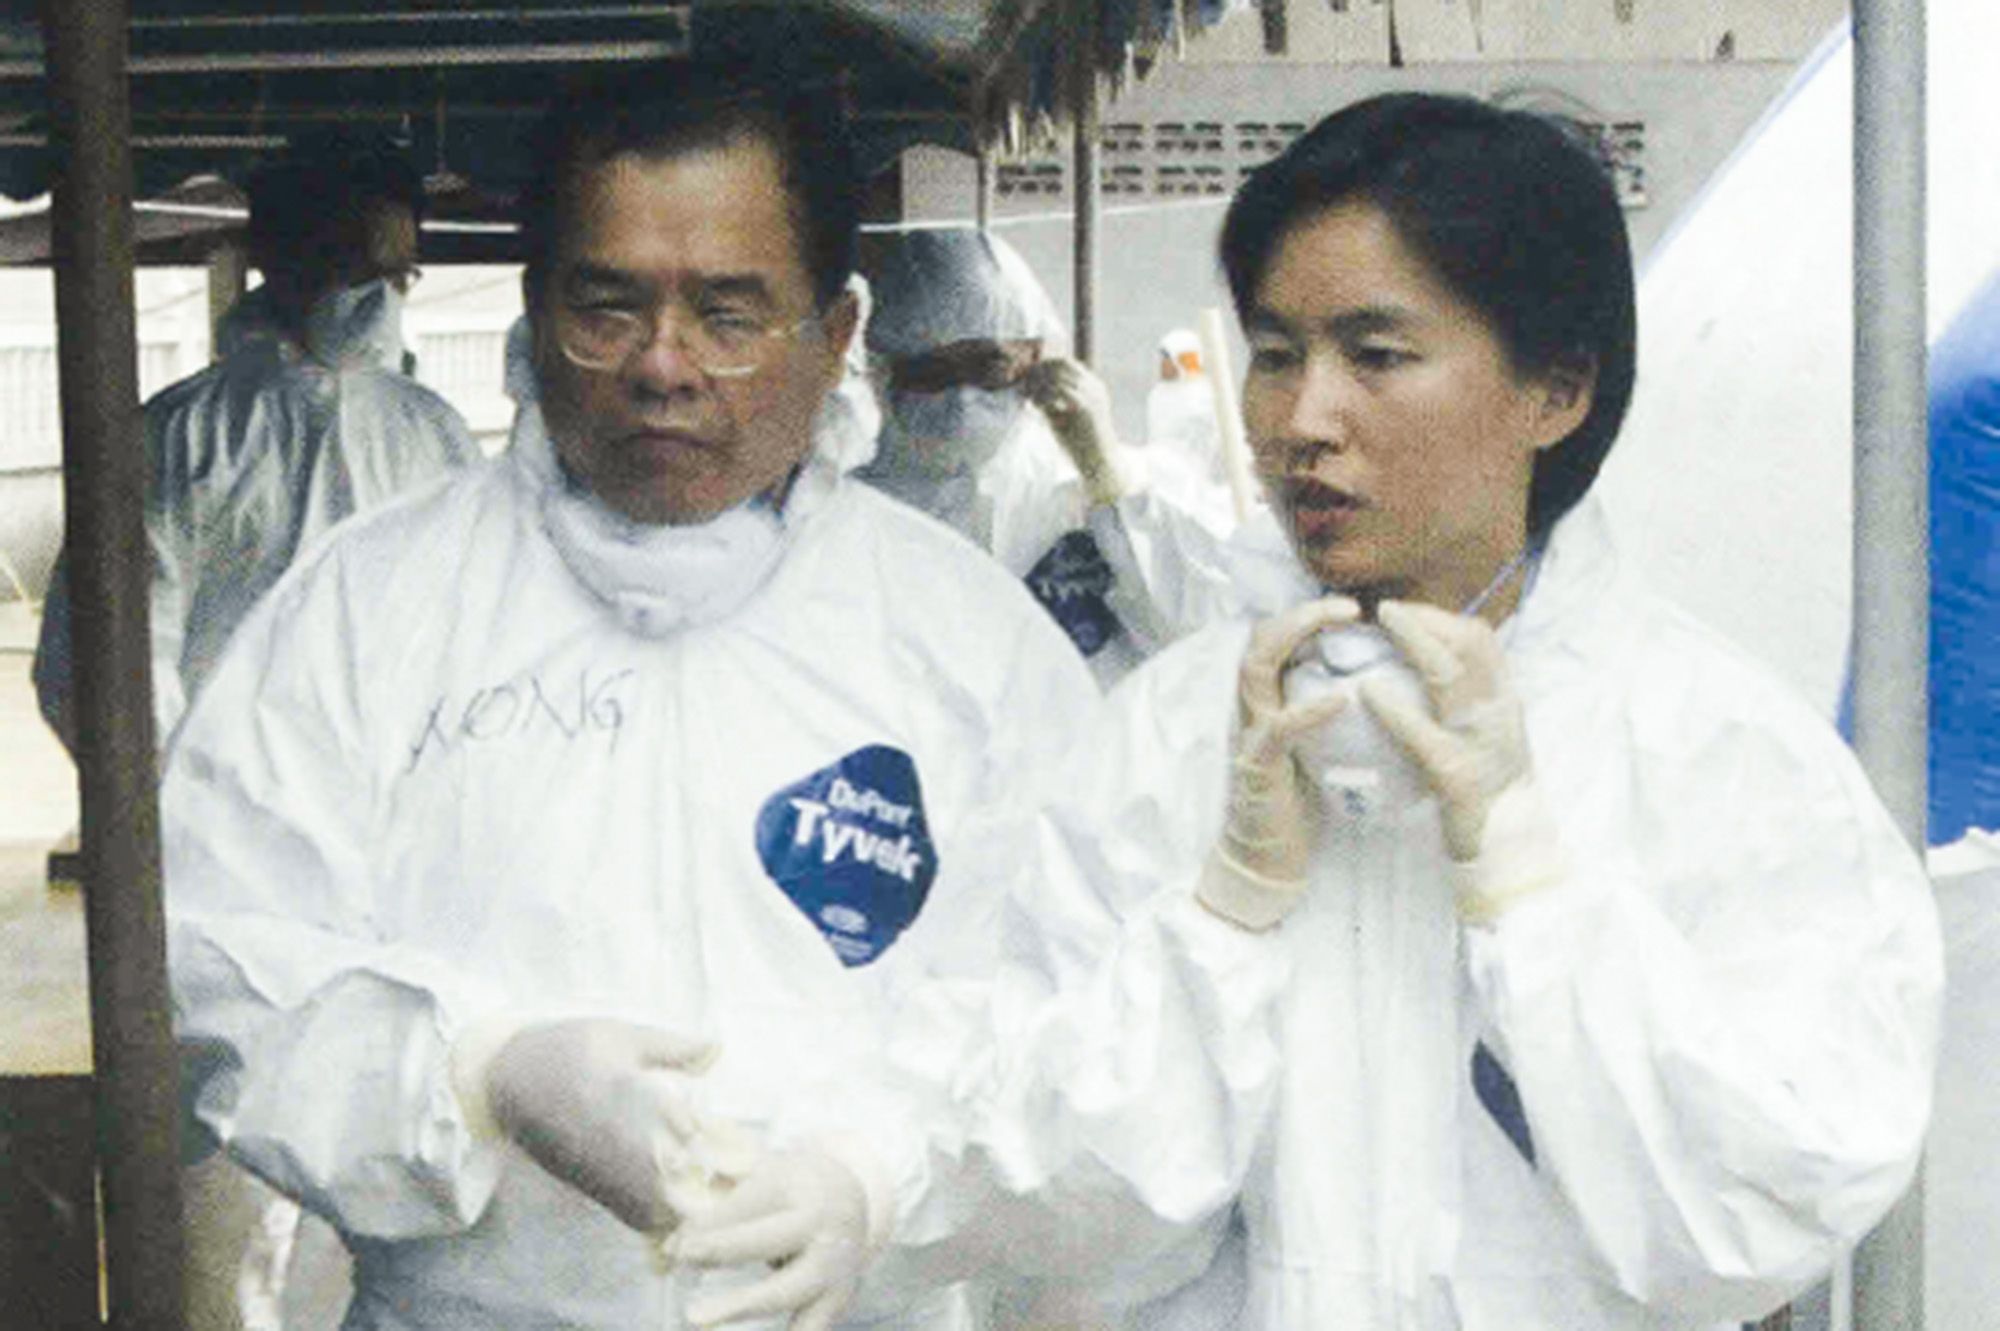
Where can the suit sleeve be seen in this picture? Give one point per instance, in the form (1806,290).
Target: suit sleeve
(1723,1030)
(323,1045)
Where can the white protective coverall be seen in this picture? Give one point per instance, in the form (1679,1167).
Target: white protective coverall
(1183,445)
(1005,482)
(473,758)
(1661,1093)
(254,458)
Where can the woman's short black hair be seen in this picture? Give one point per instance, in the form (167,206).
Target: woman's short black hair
(1512,210)
(668,110)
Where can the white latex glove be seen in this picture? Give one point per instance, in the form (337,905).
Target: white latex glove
(1257,870)
(1078,406)
(590,1100)
(701,1157)
(1472,748)
(815,1216)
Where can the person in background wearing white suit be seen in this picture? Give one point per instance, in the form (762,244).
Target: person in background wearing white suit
(991,428)
(306,419)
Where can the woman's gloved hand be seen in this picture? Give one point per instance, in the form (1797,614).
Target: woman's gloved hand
(816,1216)
(1257,869)
(591,1100)
(1078,406)
(1472,747)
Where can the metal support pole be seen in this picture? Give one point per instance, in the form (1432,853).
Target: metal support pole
(1084,176)
(983,182)
(1891,522)
(104,480)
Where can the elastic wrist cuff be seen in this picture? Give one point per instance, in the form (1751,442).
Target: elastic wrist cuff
(1484,905)
(1243,896)
(1520,855)
(472,1055)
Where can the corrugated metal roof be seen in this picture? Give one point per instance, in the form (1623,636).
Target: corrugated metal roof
(217,82)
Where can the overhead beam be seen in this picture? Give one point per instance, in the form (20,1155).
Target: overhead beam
(380,57)
(426,17)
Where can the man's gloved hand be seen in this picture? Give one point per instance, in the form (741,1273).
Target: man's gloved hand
(815,1216)
(590,1100)
(1257,870)
(1472,747)
(1078,406)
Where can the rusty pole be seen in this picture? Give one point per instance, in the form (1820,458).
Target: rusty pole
(982,203)
(1082,35)
(104,489)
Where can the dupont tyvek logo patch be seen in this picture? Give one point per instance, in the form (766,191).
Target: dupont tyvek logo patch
(849,845)
(1071,581)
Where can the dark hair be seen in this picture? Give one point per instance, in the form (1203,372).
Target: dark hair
(664,111)
(322,182)
(1513,211)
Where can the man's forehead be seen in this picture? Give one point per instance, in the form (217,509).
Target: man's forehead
(585,274)
(717,213)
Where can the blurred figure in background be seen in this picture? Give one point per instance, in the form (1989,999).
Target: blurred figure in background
(978,396)
(990,427)
(306,418)
(1183,440)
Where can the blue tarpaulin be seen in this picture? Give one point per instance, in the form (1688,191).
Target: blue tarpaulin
(1965,570)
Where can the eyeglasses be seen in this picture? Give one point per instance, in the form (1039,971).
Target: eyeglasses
(722,343)
(971,364)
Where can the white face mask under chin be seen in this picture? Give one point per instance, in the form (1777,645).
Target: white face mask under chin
(361,323)
(659,580)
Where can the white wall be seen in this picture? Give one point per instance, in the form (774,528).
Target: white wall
(1158,258)
(1733,479)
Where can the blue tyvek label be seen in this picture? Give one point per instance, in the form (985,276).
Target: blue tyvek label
(849,845)
(1494,1086)
(1071,582)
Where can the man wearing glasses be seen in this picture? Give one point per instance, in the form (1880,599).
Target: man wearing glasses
(541,834)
